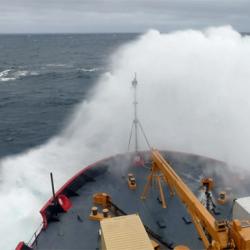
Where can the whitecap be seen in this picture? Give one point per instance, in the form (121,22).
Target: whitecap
(4,76)
(11,75)
(4,73)
(89,70)
(21,73)
(34,73)
(57,65)
(6,79)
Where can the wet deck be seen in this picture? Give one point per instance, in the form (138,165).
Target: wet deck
(75,231)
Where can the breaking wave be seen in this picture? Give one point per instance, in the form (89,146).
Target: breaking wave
(12,75)
(90,69)
(58,65)
(15,74)
(194,97)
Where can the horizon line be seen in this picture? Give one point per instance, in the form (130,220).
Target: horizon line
(93,33)
(70,33)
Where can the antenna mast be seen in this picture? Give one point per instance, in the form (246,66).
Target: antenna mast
(136,123)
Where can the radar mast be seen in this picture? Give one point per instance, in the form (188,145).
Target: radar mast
(136,124)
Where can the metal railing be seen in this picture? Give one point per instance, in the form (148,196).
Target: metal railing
(33,240)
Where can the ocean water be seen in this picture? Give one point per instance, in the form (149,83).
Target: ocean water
(42,77)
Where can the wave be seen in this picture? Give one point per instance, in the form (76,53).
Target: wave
(90,69)
(4,76)
(6,79)
(4,73)
(58,65)
(15,74)
(12,75)
(69,66)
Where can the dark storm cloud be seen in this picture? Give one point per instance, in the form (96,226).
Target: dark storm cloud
(120,15)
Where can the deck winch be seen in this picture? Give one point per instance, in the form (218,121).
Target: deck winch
(131,181)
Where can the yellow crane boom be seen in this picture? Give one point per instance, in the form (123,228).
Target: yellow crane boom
(214,234)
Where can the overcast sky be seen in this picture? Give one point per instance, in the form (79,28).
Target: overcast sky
(42,16)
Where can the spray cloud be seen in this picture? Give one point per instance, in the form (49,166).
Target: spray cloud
(193,95)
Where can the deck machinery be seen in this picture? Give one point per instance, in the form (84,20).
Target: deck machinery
(215,234)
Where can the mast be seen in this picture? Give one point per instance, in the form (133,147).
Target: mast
(136,125)
(135,121)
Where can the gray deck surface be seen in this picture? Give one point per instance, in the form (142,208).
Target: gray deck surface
(74,233)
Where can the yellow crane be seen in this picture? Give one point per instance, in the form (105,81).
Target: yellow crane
(216,235)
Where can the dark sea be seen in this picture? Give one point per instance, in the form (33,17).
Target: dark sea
(42,77)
